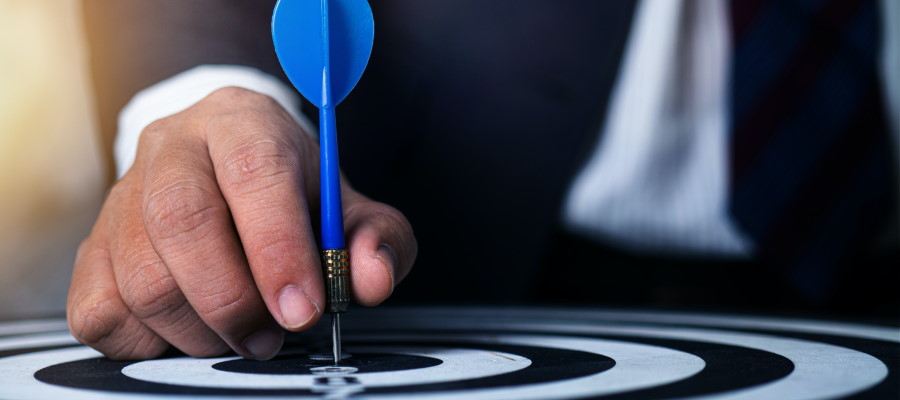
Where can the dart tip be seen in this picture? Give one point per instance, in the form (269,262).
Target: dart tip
(336,337)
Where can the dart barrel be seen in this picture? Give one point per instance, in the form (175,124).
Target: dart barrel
(336,270)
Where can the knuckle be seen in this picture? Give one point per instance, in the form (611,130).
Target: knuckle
(254,164)
(220,307)
(233,93)
(180,208)
(155,132)
(150,293)
(389,218)
(240,100)
(95,317)
(100,320)
(392,215)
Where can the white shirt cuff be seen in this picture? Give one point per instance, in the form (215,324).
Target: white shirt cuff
(183,90)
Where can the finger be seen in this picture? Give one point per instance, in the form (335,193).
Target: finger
(259,168)
(98,317)
(382,248)
(189,227)
(147,287)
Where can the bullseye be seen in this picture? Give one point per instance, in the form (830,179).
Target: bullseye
(301,364)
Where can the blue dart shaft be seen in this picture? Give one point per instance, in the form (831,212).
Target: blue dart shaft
(330,179)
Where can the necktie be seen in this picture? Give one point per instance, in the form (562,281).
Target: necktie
(810,166)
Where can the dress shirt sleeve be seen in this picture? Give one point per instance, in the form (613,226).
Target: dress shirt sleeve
(187,88)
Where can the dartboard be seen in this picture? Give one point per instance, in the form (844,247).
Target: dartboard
(488,353)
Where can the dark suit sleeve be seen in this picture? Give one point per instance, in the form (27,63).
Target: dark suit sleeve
(136,43)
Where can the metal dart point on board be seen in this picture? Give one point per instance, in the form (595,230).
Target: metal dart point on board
(324,47)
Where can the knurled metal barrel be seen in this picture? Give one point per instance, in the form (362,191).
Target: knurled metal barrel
(336,269)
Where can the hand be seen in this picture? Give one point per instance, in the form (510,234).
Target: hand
(207,244)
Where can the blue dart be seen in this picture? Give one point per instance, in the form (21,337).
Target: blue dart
(323,47)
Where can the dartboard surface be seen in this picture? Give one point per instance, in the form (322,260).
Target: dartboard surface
(485,353)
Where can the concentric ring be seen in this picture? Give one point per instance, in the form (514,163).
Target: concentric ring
(502,353)
(457,364)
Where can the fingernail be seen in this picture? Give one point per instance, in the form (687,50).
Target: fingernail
(389,258)
(296,307)
(265,344)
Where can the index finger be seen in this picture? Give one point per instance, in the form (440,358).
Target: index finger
(259,166)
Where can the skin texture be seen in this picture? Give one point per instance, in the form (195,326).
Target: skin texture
(206,243)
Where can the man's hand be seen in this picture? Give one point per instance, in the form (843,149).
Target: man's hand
(207,242)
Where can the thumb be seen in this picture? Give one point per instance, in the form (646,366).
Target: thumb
(382,248)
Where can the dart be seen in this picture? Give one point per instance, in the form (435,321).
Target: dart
(324,47)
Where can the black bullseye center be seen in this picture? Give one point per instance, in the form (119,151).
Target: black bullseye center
(299,364)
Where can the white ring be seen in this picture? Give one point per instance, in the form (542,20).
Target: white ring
(638,366)
(837,371)
(457,365)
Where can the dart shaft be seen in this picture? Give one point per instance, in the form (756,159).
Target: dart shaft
(330,182)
